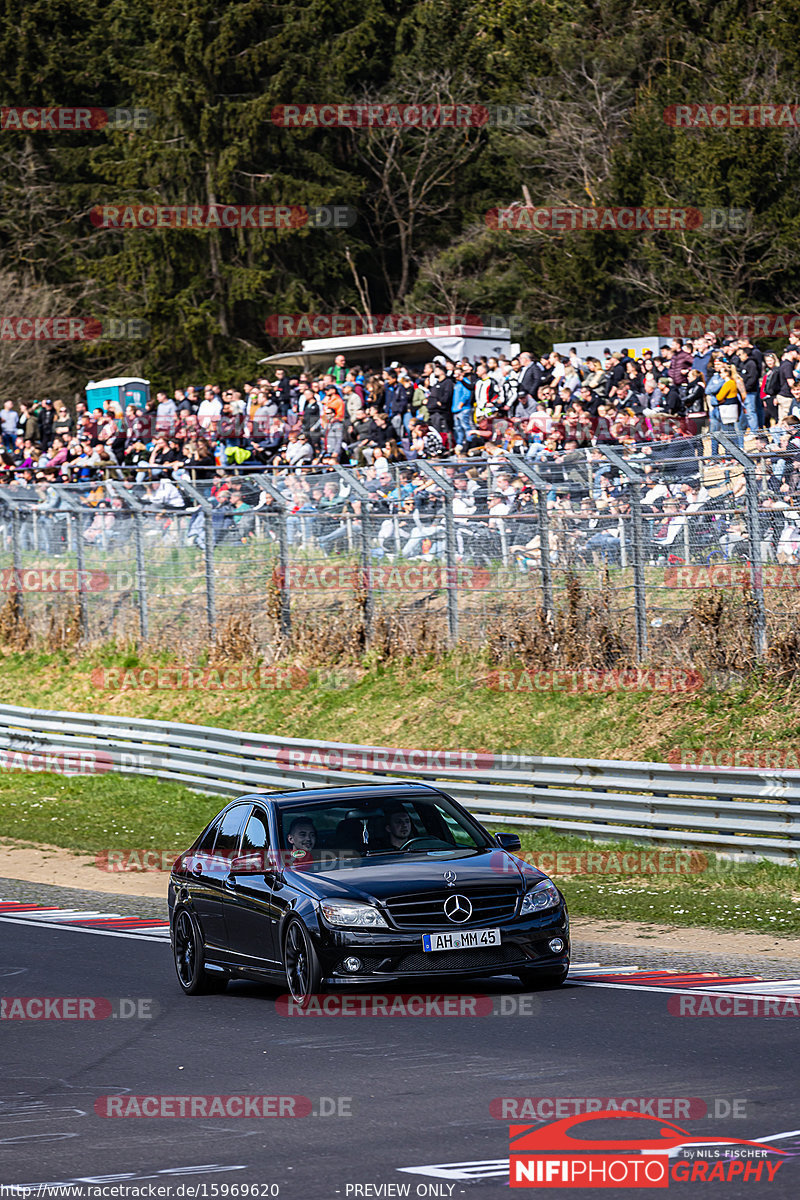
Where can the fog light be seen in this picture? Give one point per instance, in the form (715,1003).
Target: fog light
(352,964)
(556,945)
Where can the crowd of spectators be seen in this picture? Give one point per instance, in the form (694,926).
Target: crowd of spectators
(539,407)
(554,411)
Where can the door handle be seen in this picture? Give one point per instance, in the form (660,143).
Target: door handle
(197,869)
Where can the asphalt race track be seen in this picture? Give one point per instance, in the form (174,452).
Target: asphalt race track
(409,1097)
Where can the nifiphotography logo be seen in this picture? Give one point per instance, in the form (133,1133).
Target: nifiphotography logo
(590,1151)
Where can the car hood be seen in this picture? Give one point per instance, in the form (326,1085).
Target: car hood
(379,878)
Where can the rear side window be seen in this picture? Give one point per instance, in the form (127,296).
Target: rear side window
(229,829)
(206,843)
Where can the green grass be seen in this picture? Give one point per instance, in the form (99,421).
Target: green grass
(118,812)
(89,814)
(427,704)
(759,897)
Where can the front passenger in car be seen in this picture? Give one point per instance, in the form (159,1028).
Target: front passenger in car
(302,838)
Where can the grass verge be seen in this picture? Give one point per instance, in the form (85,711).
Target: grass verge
(443,704)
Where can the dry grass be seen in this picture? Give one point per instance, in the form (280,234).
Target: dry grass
(581,631)
(235,642)
(15,632)
(64,629)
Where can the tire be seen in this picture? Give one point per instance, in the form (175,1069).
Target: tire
(541,980)
(187,952)
(300,962)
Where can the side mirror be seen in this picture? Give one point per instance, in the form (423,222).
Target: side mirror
(508,841)
(250,864)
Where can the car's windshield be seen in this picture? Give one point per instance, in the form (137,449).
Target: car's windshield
(345,833)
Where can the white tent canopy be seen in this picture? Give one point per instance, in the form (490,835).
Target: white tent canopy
(634,345)
(381,349)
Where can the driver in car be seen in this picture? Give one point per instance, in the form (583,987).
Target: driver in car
(398,827)
(302,838)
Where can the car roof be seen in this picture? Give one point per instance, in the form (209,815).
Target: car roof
(348,795)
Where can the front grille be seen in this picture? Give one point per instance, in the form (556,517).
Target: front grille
(485,958)
(425,910)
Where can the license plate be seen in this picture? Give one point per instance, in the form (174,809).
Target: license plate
(461,939)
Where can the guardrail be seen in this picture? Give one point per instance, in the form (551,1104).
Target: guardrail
(743,811)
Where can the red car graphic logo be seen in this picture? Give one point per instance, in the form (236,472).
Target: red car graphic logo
(565,1154)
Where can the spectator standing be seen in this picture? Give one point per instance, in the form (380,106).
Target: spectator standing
(768,390)
(463,393)
(46,416)
(728,399)
(751,418)
(679,364)
(166,414)
(440,402)
(9,420)
(339,369)
(28,424)
(209,412)
(786,378)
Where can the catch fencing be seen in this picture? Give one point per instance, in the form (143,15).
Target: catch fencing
(607,554)
(735,811)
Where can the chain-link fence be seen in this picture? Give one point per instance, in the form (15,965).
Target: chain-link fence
(597,555)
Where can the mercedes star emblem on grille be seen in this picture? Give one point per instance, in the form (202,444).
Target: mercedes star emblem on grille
(458,909)
(450,877)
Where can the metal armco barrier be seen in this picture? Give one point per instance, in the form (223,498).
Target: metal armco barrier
(743,810)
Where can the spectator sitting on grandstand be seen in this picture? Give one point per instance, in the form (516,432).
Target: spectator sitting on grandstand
(162,493)
(101,524)
(426,442)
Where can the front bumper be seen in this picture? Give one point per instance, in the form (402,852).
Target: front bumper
(389,954)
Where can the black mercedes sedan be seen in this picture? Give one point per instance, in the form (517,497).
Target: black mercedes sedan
(360,885)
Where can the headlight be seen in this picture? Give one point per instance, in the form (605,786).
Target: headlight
(356,916)
(544,895)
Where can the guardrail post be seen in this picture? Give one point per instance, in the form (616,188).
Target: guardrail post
(759,615)
(639,591)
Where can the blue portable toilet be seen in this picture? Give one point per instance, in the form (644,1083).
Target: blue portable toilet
(124,390)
